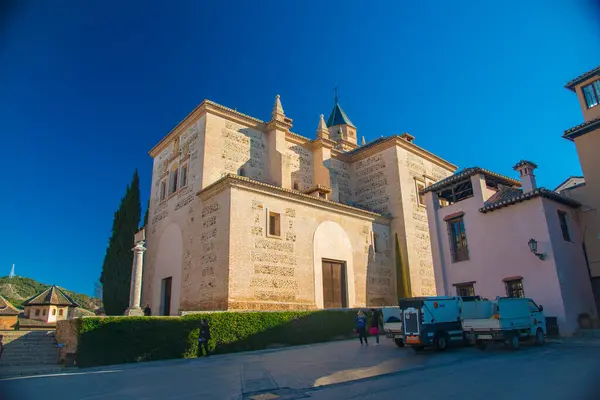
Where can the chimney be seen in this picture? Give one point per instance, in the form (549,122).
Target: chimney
(526,175)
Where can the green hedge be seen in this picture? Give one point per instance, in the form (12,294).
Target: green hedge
(114,340)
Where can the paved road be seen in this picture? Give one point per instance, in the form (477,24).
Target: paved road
(330,371)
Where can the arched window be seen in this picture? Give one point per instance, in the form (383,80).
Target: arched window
(60,312)
(54,311)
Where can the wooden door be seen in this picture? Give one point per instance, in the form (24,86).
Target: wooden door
(334,284)
(166,297)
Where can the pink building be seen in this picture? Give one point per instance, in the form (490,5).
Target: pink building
(495,236)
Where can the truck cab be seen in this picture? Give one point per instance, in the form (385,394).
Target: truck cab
(432,321)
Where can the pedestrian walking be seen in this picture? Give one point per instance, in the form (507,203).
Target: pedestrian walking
(203,337)
(147,311)
(375,322)
(361,328)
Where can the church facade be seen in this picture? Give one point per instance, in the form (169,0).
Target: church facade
(247,215)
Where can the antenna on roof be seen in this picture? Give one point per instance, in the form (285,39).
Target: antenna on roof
(335,94)
(12,272)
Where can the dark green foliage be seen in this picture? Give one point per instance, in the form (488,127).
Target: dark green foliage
(402,276)
(146,214)
(18,289)
(116,269)
(113,340)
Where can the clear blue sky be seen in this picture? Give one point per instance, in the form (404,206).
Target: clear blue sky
(87,88)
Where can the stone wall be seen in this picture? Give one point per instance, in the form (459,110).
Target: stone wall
(298,162)
(267,272)
(413,169)
(231,146)
(66,337)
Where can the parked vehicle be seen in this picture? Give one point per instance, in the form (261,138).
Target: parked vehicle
(392,325)
(432,321)
(508,320)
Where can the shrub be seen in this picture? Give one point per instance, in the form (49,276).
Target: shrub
(113,340)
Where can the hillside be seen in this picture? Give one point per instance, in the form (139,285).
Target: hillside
(19,289)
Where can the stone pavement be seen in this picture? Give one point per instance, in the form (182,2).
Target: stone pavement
(286,373)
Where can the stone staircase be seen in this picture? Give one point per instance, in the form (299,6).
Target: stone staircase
(28,353)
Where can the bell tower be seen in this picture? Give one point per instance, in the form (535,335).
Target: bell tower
(341,129)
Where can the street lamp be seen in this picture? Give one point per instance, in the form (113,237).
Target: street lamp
(533,245)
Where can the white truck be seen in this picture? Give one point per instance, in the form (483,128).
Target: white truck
(508,320)
(392,325)
(433,321)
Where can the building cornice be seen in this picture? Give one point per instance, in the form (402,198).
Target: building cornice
(540,192)
(399,141)
(207,106)
(231,180)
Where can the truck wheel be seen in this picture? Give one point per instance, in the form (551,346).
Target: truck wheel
(514,341)
(399,342)
(539,337)
(480,344)
(440,342)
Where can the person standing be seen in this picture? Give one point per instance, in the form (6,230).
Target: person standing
(375,322)
(361,328)
(147,311)
(203,337)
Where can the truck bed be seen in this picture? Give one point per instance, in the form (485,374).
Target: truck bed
(493,324)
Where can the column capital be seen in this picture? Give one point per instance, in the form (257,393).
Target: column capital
(139,247)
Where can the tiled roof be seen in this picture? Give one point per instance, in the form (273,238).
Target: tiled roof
(582,129)
(8,309)
(466,173)
(338,117)
(505,193)
(51,296)
(507,200)
(523,163)
(571,84)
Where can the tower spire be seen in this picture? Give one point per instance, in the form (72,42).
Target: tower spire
(335,94)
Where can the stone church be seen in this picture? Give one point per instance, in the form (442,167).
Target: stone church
(247,215)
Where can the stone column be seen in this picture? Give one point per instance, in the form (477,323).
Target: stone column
(135,290)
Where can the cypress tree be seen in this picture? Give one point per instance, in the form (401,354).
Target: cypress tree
(402,276)
(116,269)
(146,215)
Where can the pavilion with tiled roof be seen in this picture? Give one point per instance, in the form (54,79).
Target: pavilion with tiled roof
(8,314)
(47,307)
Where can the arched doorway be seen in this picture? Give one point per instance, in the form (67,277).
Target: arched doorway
(333,267)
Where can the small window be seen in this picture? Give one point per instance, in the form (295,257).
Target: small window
(173,181)
(37,312)
(163,190)
(274,224)
(183,176)
(465,290)
(54,311)
(420,197)
(322,195)
(458,240)
(591,93)
(241,172)
(564,226)
(60,312)
(514,288)
(296,187)
(44,312)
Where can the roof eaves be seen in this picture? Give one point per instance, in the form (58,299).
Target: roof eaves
(572,83)
(466,173)
(540,192)
(581,129)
